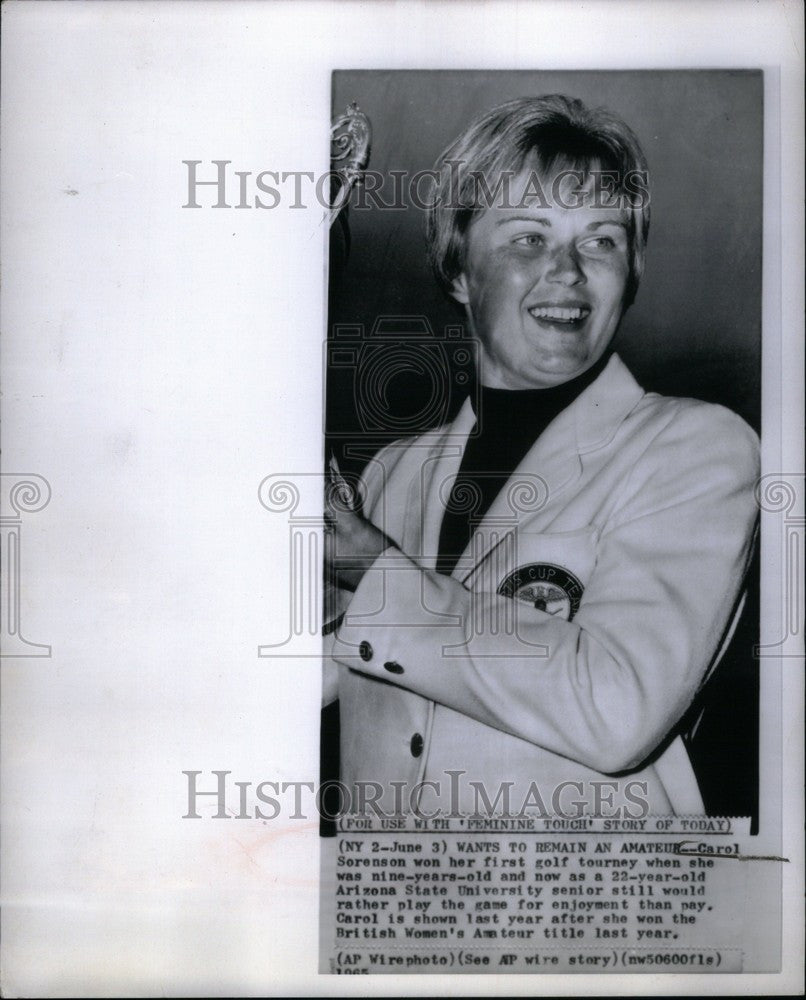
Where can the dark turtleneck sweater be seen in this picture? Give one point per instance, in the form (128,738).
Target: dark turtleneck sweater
(508,423)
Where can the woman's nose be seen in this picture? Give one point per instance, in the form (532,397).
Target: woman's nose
(564,267)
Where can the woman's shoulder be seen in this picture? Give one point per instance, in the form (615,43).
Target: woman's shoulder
(710,417)
(706,432)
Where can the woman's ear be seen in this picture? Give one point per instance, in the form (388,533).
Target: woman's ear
(459,289)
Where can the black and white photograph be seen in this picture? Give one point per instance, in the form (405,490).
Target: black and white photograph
(622,520)
(402,498)
(547,604)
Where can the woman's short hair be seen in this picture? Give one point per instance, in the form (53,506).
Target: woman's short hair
(552,133)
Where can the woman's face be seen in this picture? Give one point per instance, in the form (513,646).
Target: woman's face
(543,285)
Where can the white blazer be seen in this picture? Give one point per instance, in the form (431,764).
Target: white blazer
(631,522)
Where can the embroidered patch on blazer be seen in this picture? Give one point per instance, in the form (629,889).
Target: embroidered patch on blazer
(546,587)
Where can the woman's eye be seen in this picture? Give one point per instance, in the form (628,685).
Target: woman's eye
(530,240)
(601,243)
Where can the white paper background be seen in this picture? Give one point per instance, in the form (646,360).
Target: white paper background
(158,363)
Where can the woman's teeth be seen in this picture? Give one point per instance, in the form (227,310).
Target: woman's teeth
(558,314)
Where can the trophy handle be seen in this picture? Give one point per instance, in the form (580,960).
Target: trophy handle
(350,146)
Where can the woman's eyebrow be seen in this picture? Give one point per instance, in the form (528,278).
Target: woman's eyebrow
(538,221)
(606,222)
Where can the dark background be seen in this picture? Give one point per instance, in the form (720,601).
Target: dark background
(694,329)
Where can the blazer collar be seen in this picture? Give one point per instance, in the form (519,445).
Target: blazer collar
(601,408)
(550,466)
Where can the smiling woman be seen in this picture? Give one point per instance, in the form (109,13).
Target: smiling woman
(561,154)
(519,580)
(544,287)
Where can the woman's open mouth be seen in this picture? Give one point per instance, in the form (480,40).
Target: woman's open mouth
(568,316)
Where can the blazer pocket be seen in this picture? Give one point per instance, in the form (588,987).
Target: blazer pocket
(548,570)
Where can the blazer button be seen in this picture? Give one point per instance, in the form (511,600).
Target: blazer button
(416,745)
(365,651)
(393,667)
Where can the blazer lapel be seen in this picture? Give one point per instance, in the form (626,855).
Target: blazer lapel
(432,490)
(553,464)
(603,406)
